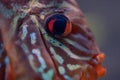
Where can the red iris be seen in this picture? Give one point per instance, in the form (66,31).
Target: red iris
(50,25)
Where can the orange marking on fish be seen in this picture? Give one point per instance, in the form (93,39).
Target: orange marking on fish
(100,57)
(101,71)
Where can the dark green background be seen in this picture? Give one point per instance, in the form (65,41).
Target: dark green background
(103,16)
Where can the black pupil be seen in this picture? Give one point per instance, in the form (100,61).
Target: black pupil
(59,27)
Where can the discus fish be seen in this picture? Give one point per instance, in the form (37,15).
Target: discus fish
(47,40)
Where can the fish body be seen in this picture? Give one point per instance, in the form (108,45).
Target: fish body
(29,52)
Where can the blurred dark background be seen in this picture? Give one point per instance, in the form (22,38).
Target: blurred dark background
(103,17)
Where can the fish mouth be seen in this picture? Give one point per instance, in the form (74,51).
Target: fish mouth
(96,62)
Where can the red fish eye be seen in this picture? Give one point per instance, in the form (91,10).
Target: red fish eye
(58,24)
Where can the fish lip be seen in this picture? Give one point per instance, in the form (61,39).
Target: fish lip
(96,63)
